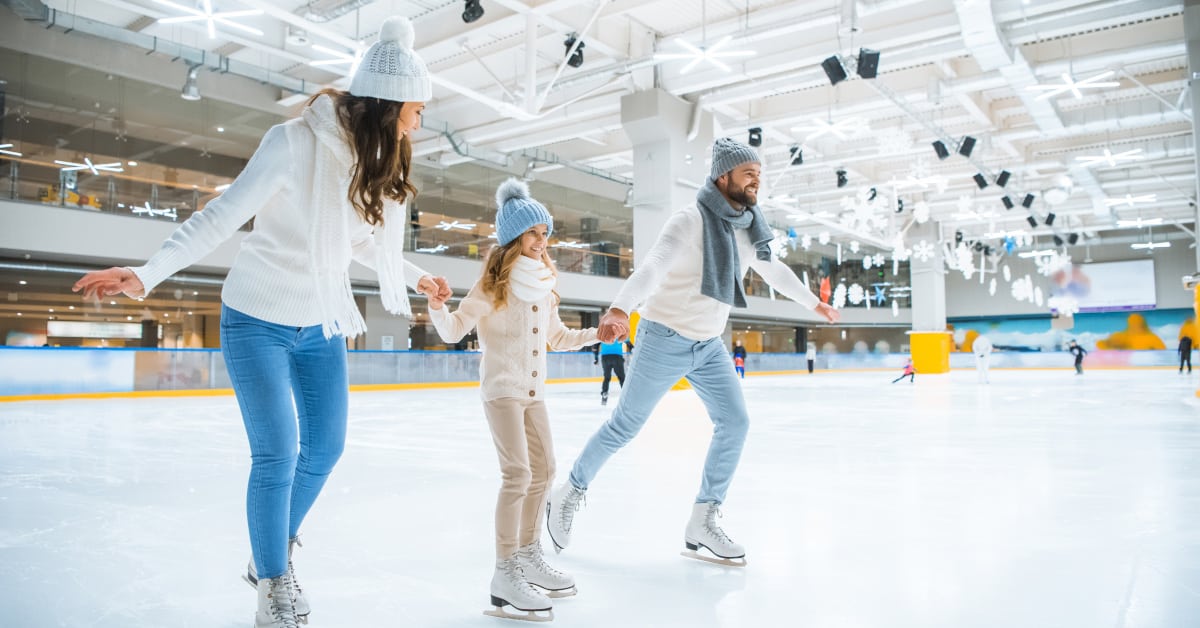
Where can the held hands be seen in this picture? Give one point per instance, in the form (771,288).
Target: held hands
(827,312)
(106,283)
(437,289)
(614,325)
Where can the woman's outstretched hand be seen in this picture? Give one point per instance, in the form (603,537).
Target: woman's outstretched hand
(106,283)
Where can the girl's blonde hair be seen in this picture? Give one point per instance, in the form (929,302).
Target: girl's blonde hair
(497,270)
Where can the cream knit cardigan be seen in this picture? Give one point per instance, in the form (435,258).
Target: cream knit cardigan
(275,276)
(514,341)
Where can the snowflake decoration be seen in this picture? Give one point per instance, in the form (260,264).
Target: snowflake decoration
(968,271)
(866,262)
(1007,273)
(878,260)
(854,246)
(923,251)
(1037,296)
(921,212)
(806,241)
(823,237)
(1022,289)
(963,258)
(899,252)
(1064,304)
(855,294)
(965,204)
(839,296)
(992,287)
(895,308)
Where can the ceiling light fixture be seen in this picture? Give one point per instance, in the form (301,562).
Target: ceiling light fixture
(4,151)
(1110,159)
(1070,85)
(211,17)
(190,90)
(1150,245)
(1130,200)
(70,166)
(697,54)
(1140,222)
(842,129)
(351,61)
(446,226)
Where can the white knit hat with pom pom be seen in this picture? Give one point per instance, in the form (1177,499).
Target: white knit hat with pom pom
(516,211)
(390,69)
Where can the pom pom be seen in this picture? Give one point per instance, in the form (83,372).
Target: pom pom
(510,189)
(398,29)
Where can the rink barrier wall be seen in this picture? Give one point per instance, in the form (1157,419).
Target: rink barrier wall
(28,373)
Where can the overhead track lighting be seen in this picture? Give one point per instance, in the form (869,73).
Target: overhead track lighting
(980,180)
(868,63)
(575,59)
(1027,202)
(472,11)
(834,70)
(1073,238)
(754,136)
(1002,178)
(1050,219)
(940,149)
(1008,202)
(191,91)
(1058,241)
(797,155)
(966,146)
(1032,221)
(842,180)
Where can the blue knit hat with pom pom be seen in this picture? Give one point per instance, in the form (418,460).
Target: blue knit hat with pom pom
(516,211)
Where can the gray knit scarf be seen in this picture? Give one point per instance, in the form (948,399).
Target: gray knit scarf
(722,278)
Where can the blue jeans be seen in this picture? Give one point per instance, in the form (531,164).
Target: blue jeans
(273,367)
(660,359)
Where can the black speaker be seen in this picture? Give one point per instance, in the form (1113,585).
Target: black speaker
(967,145)
(834,70)
(868,63)
(841,179)
(1027,202)
(940,149)
(899,205)
(1032,221)
(1073,238)
(1057,240)
(1050,219)
(797,155)
(755,136)
(1008,204)
(1002,179)
(981,181)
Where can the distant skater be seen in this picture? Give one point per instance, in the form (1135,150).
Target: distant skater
(1185,353)
(811,356)
(739,359)
(909,372)
(1079,353)
(982,348)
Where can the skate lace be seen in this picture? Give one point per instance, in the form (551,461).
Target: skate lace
(574,500)
(710,524)
(514,573)
(282,608)
(291,571)
(534,559)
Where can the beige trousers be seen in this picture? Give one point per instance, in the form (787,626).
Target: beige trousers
(521,432)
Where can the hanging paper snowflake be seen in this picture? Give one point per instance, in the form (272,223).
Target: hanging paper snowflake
(968,270)
(839,296)
(878,260)
(921,212)
(965,204)
(1007,273)
(1022,289)
(866,262)
(1037,296)
(962,256)
(899,252)
(923,251)
(855,294)
(895,308)
(823,237)
(992,287)
(1063,304)
(854,246)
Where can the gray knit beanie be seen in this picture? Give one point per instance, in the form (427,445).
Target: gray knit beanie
(729,154)
(390,69)
(516,211)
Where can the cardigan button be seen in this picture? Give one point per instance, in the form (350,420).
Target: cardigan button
(535,308)
(535,330)
(531,393)
(535,352)
(535,373)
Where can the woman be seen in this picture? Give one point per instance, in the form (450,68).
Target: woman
(324,188)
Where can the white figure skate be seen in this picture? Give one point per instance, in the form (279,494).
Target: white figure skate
(298,599)
(703,532)
(275,608)
(564,501)
(539,574)
(510,589)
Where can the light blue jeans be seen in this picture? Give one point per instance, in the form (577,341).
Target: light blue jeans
(660,358)
(292,386)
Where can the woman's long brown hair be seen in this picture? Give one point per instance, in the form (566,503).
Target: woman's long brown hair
(497,271)
(381,160)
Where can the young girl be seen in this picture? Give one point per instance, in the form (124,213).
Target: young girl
(909,372)
(516,311)
(323,188)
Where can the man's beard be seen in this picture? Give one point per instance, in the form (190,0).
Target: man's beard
(741,196)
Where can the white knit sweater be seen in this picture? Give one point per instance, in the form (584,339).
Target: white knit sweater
(272,277)
(665,288)
(513,340)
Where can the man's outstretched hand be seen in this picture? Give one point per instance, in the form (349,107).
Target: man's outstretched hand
(614,326)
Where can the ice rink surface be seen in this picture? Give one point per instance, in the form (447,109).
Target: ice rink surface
(1043,500)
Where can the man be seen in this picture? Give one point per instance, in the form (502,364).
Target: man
(684,289)
(612,354)
(982,348)
(1079,353)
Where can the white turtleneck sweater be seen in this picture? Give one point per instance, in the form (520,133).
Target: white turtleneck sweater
(513,340)
(272,277)
(665,288)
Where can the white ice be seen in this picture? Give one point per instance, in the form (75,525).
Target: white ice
(1044,500)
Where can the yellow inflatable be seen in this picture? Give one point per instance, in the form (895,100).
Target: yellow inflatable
(1136,336)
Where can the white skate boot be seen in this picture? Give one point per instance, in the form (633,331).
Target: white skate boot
(509,588)
(560,513)
(298,599)
(703,531)
(543,576)
(275,608)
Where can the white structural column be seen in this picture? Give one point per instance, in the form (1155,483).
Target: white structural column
(1191,30)
(929,340)
(667,165)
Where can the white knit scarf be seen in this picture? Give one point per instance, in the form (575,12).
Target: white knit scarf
(331,225)
(531,280)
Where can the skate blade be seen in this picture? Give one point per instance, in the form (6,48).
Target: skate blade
(716,560)
(497,611)
(247,580)
(568,592)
